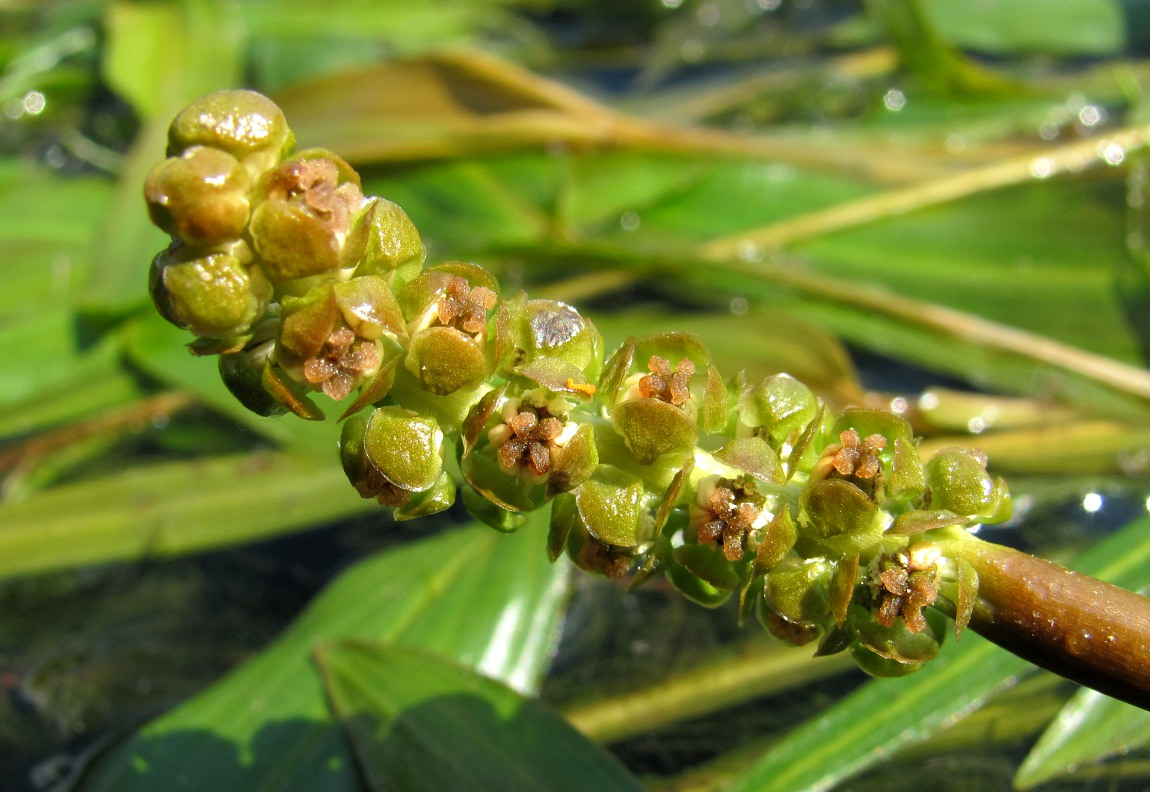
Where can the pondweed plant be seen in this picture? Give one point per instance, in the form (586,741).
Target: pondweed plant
(826,527)
(750,172)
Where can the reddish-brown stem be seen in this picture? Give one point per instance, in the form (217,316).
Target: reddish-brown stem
(1092,632)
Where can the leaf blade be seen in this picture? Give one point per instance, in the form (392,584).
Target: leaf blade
(396,703)
(265,726)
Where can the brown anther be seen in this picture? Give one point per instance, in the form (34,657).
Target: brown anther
(530,441)
(340,366)
(666,385)
(859,458)
(609,560)
(374,485)
(902,590)
(315,185)
(465,308)
(733,512)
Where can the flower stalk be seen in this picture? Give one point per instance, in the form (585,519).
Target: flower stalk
(824,528)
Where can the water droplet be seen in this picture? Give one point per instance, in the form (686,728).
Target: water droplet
(1112,153)
(1042,168)
(1091,115)
(894,100)
(709,14)
(749,251)
(629,221)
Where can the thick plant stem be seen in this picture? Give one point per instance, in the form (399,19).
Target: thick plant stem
(1082,628)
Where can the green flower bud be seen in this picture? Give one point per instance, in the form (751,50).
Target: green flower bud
(652,428)
(958,482)
(693,586)
(307,322)
(895,643)
(548,329)
(777,407)
(447,309)
(754,456)
(213,295)
(707,563)
(392,453)
(245,124)
(835,507)
(383,241)
(369,308)
(439,497)
(446,360)
(200,196)
(243,375)
(300,228)
(612,508)
(800,592)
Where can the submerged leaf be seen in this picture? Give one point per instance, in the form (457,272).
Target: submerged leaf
(421,723)
(488,600)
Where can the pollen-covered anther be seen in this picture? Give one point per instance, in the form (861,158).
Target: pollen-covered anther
(859,458)
(906,583)
(465,308)
(608,560)
(666,385)
(315,184)
(730,516)
(532,434)
(342,364)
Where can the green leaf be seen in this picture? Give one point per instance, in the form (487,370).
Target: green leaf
(1089,728)
(172,509)
(160,349)
(882,717)
(45,225)
(421,723)
(160,56)
(488,600)
(1080,27)
(886,715)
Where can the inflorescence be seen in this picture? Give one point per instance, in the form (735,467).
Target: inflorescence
(824,527)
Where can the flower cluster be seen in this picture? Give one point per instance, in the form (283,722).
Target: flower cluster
(823,527)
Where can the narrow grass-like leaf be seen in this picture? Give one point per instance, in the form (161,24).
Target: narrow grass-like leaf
(886,715)
(160,349)
(45,225)
(421,723)
(1081,27)
(488,600)
(882,717)
(171,509)
(160,56)
(1091,727)
(45,352)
